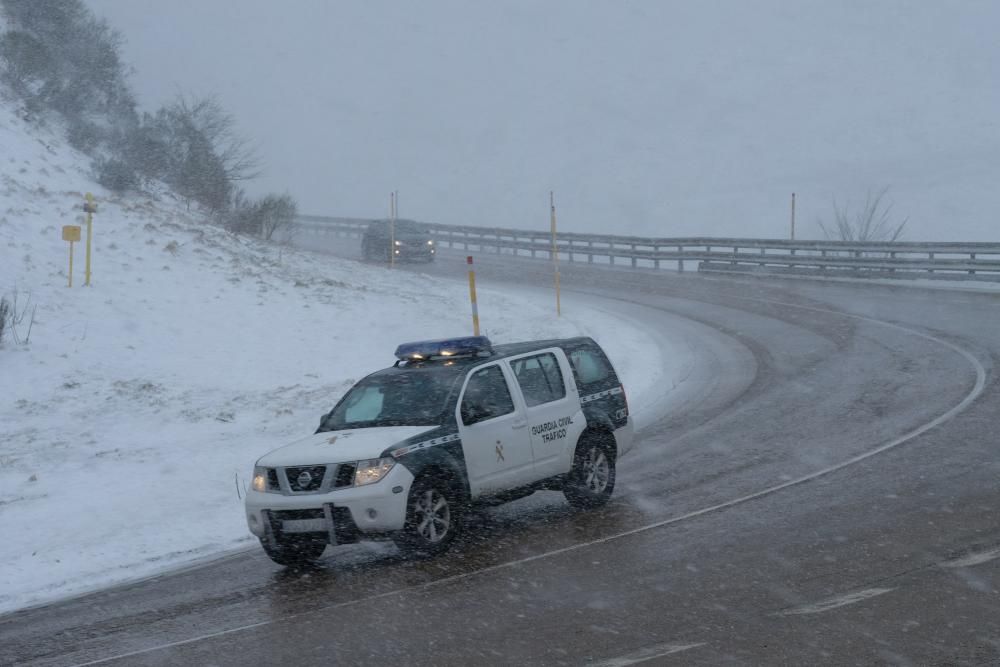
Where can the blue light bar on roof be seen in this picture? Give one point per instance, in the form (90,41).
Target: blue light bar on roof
(446,347)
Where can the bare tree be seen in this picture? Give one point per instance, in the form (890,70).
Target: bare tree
(277,214)
(218,127)
(872,222)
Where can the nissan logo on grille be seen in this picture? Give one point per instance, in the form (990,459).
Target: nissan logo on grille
(304,478)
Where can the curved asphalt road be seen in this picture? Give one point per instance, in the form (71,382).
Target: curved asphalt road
(823,491)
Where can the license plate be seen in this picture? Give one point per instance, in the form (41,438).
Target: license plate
(304,526)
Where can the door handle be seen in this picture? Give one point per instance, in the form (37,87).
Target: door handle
(519,423)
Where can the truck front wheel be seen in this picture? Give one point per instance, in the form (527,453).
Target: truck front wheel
(432,518)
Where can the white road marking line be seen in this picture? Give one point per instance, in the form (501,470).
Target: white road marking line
(836,602)
(647,654)
(977,390)
(973,559)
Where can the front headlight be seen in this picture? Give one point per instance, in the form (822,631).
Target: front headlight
(430,243)
(259,479)
(372,470)
(399,243)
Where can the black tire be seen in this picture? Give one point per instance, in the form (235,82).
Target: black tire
(434,511)
(591,481)
(294,550)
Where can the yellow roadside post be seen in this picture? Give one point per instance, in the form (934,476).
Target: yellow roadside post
(71,233)
(555,252)
(472,297)
(90,208)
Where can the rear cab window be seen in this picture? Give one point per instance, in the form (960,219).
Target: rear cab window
(591,368)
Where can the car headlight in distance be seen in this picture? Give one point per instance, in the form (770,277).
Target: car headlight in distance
(259,479)
(430,243)
(372,470)
(398,243)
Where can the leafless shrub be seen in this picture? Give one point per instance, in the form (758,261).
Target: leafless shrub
(13,313)
(265,217)
(874,221)
(4,317)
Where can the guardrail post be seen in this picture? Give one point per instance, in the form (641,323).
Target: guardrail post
(680,262)
(930,256)
(972,256)
(590,252)
(498,241)
(735,252)
(656,251)
(634,260)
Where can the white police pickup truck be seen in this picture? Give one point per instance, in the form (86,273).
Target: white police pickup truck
(453,423)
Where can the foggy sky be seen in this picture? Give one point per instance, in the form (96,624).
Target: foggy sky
(664,118)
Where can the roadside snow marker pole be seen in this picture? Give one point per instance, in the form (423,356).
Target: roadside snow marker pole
(91,208)
(71,233)
(793,216)
(472,297)
(555,252)
(392,230)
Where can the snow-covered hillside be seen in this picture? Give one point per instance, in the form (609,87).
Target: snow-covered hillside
(133,415)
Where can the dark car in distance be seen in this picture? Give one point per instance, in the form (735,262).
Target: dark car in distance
(406,239)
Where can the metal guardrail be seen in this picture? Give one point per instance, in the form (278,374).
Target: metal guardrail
(947,260)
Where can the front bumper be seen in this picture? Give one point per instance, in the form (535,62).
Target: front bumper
(374,509)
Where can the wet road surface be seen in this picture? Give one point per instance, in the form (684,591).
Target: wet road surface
(826,494)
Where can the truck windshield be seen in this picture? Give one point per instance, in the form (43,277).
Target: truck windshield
(416,397)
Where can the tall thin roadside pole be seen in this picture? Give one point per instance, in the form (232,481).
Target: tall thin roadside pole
(392,230)
(555,252)
(472,297)
(90,208)
(793,216)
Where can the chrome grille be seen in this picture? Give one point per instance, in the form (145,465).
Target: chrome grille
(304,479)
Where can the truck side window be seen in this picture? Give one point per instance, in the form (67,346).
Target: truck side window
(589,366)
(486,396)
(539,378)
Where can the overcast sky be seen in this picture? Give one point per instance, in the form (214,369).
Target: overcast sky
(656,117)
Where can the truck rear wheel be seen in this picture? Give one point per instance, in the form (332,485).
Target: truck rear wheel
(591,481)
